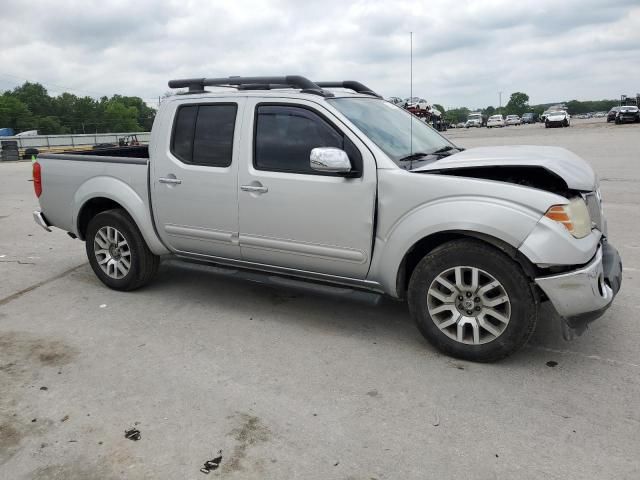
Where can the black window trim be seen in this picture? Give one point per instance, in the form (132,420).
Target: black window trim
(195,120)
(354,173)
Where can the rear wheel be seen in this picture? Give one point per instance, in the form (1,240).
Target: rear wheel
(472,301)
(117,252)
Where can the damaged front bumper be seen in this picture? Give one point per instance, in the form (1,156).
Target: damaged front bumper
(583,295)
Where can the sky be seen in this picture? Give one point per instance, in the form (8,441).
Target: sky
(464,52)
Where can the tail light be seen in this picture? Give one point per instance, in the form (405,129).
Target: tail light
(37,179)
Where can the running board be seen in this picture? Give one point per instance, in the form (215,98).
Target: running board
(271,279)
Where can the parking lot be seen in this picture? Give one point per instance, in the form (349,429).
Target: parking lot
(298,385)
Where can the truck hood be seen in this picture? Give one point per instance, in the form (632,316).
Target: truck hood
(577,174)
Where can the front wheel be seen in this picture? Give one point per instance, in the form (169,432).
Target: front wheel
(117,252)
(473,302)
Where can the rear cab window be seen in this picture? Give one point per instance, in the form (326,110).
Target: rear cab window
(203,134)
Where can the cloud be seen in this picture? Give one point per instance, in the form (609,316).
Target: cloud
(464,52)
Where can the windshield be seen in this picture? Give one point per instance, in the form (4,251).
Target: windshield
(389,127)
(474,116)
(495,117)
(556,112)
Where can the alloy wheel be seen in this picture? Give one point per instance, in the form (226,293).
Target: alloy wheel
(469,305)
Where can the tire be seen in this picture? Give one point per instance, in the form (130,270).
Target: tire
(114,226)
(520,308)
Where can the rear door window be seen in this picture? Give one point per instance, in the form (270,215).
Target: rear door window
(203,134)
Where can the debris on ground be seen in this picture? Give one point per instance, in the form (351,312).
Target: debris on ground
(44,388)
(132,434)
(213,464)
(552,363)
(65,418)
(436,420)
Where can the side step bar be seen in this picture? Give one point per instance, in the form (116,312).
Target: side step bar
(274,280)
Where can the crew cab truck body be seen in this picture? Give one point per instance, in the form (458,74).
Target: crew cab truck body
(285,176)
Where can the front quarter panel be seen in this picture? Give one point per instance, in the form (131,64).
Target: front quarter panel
(412,206)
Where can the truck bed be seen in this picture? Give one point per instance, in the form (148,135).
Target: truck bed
(69,179)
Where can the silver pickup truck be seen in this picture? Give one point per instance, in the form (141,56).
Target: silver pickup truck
(327,183)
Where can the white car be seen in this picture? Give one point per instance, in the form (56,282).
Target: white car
(557,118)
(513,120)
(495,121)
(417,103)
(396,101)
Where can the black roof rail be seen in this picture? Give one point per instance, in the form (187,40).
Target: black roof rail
(351,85)
(196,85)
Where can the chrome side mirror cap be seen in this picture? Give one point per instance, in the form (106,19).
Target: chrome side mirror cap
(329,160)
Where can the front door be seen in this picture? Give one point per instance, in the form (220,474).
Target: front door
(292,216)
(194,179)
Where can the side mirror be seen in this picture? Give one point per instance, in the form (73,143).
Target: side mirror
(329,160)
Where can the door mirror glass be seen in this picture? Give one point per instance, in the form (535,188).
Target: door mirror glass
(329,160)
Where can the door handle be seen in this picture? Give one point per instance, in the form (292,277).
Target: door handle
(170,181)
(254,188)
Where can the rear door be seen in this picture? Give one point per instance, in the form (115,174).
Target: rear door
(194,178)
(292,216)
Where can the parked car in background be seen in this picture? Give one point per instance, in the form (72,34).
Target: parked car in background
(611,115)
(461,125)
(333,188)
(512,120)
(557,118)
(474,119)
(600,114)
(627,114)
(396,101)
(529,117)
(495,121)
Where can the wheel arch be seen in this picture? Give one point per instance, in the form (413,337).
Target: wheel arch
(428,243)
(105,193)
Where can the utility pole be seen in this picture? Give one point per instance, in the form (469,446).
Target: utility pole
(500,99)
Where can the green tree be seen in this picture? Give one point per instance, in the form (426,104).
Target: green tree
(50,126)
(437,106)
(457,115)
(14,114)
(518,104)
(490,110)
(121,118)
(35,97)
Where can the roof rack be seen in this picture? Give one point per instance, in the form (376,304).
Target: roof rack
(351,85)
(196,85)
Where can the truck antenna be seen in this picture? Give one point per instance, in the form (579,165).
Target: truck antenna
(411,97)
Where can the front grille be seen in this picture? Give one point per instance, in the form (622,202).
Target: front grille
(594,205)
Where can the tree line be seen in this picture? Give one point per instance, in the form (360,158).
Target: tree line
(518,104)
(30,107)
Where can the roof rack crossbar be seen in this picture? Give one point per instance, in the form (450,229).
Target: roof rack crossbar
(351,85)
(293,81)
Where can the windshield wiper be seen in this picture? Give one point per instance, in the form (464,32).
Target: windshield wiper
(413,156)
(445,149)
